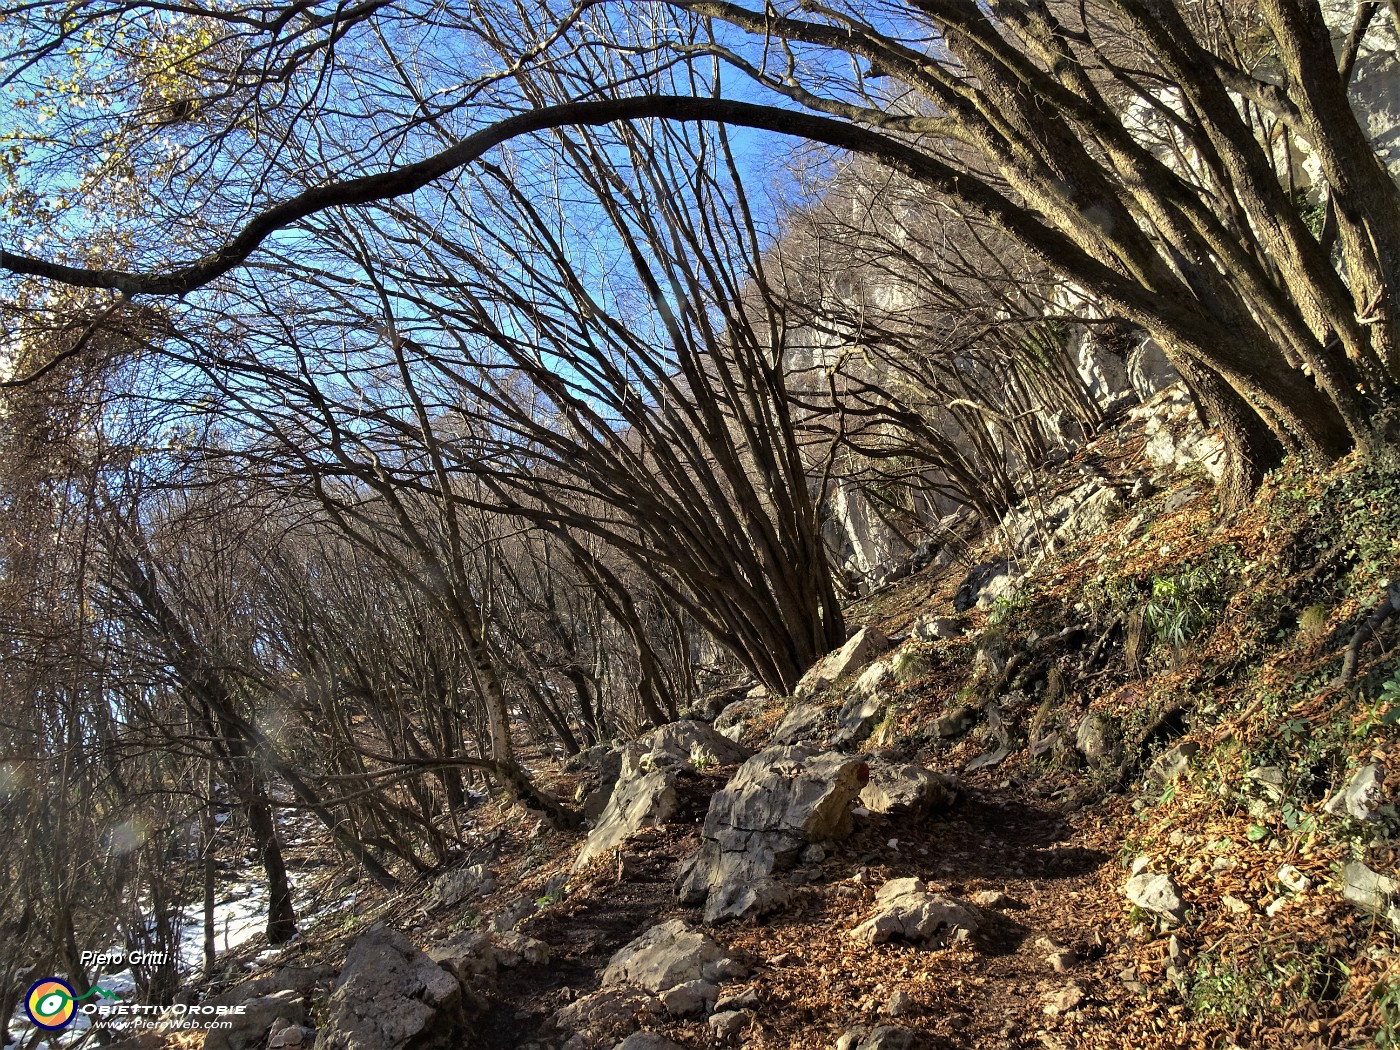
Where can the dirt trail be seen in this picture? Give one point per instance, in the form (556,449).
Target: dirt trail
(813,983)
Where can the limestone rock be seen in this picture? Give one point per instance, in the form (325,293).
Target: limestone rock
(907,790)
(886,1037)
(454,887)
(250,1029)
(1098,739)
(1155,893)
(467,954)
(667,955)
(802,722)
(1363,794)
(728,1025)
(691,998)
(390,996)
(647,1041)
(608,1013)
(906,910)
(780,801)
(1371,891)
(1149,371)
(956,722)
(865,645)
(931,628)
(858,717)
(1172,764)
(645,794)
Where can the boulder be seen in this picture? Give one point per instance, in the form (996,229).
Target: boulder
(390,996)
(1363,794)
(907,790)
(858,717)
(249,1030)
(454,887)
(690,999)
(667,955)
(1172,764)
(647,1041)
(1371,891)
(1157,894)
(609,1013)
(985,583)
(467,955)
(931,628)
(886,1037)
(803,722)
(864,646)
(906,910)
(1149,370)
(645,794)
(1099,739)
(780,801)
(956,722)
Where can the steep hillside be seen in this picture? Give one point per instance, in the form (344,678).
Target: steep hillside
(1141,795)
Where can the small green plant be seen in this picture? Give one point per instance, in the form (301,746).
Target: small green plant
(466,920)
(1219,990)
(1388,703)
(1387,994)
(700,758)
(1002,610)
(1175,613)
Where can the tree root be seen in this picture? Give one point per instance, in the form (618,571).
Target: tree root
(1388,607)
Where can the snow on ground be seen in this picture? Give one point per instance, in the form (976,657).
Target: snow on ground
(240,914)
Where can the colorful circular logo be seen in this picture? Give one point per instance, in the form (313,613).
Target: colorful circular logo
(50,1003)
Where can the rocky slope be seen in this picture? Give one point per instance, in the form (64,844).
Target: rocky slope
(1123,780)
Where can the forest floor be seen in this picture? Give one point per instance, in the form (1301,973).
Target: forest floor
(1257,611)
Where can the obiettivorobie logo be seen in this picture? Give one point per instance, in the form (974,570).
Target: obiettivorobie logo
(52,1003)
